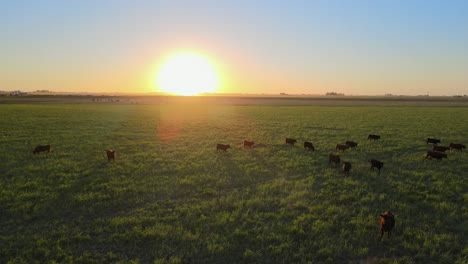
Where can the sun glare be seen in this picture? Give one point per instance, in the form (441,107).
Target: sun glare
(187,74)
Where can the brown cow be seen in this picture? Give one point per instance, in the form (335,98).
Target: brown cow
(346,167)
(110,155)
(459,147)
(341,147)
(248,143)
(432,140)
(374,137)
(435,155)
(333,158)
(440,148)
(39,149)
(351,144)
(377,164)
(387,222)
(222,147)
(291,141)
(308,145)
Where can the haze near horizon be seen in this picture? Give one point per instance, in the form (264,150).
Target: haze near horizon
(271,47)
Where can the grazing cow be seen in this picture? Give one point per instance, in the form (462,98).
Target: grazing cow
(341,147)
(440,148)
(110,155)
(435,155)
(39,149)
(222,147)
(374,137)
(433,141)
(346,167)
(308,145)
(387,222)
(291,141)
(459,147)
(333,158)
(248,143)
(351,144)
(377,164)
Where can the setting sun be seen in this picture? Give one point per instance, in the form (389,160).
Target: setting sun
(187,74)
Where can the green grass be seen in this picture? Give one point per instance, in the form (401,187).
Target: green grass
(170,197)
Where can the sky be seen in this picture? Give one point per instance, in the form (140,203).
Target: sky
(361,47)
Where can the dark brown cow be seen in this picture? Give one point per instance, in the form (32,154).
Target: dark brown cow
(351,144)
(222,147)
(433,141)
(39,149)
(341,147)
(334,158)
(376,164)
(110,155)
(291,141)
(248,143)
(346,167)
(387,222)
(374,137)
(459,147)
(309,146)
(435,155)
(440,148)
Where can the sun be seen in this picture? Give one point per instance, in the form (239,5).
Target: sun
(187,73)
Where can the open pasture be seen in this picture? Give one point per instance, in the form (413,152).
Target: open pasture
(170,197)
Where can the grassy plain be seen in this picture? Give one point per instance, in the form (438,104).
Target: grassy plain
(169,197)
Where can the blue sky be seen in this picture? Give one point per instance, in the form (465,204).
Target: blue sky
(303,47)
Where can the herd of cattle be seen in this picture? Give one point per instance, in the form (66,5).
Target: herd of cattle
(437,152)
(387,220)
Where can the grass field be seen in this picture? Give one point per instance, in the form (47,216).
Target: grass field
(170,197)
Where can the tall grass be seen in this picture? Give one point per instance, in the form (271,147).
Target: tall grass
(170,197)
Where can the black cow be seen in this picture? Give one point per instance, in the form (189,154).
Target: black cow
(433,141)
(346,167)
(110,155)
(291,141)
(248,143)
(222,147)
(39,149)
(351,144)
(341,147)
(440,148)
(334,158)
(374,137)
(435,155)
(459,147)
(387,222)
(308,145)
(377,164)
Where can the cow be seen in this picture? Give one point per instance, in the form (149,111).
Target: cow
(459,147)
(440,148)
(39,149)
(351,144)
(222,147)
(346,167)
(433,141)
(110,155)
(248,143)
(333,158)
(341,147)
(435,154)
(387,222)
(377,164)
(291,141)
(374,137)
(308,145)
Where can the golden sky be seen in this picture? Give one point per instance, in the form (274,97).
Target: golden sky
(296,47)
